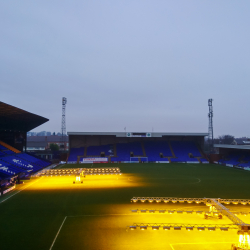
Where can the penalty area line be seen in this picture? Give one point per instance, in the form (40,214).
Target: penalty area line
(20,190)
(58,233)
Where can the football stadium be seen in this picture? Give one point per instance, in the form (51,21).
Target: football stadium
(121,190)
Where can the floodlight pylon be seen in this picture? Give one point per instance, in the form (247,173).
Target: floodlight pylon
(63,125)
(210,124)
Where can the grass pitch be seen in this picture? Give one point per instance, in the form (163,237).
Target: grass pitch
(52,213)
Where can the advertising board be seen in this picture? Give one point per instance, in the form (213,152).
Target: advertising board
(95,160)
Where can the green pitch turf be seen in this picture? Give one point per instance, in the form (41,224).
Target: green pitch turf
(94,215)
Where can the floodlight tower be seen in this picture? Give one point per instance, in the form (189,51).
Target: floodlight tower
(210,123)
(64,102)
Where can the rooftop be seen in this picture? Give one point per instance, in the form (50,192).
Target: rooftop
(16,119)
(232,146)
(138,134)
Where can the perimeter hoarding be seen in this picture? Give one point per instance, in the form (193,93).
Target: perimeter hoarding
(95,160)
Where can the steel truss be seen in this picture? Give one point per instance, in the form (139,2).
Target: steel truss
(181,211)
(186,225)
(190,200)
(220,208)
(101,171)
(215,206)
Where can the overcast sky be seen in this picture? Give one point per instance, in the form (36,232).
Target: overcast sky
(134,64)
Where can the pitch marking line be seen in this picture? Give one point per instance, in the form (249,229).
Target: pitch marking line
(20,190)
(99,215)
(78,216)
(171,245)
(58,233)
(84,215)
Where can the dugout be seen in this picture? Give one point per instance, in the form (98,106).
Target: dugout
(15,123)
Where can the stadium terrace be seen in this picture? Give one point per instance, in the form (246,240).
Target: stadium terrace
(129,147)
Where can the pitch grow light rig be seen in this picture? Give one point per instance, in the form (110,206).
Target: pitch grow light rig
(215,207)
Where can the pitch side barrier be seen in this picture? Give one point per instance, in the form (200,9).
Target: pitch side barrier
(190,200)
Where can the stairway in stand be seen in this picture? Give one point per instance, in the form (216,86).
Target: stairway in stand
(143,149)
(85,151)
(9,147)
(172,151)
(115,154)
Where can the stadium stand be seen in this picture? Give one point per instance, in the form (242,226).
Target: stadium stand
(14,125)
(137,147)
(183,149)
(2,147)
(232,159)
(97,150)
(3,144)
(8,170)
(154,148)
(153,151)
(240,159)
(2,153)
(74,152)
(202,160)
(33,160)
(12,163)
(123,151)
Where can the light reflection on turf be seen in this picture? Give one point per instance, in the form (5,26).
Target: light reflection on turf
(95,181)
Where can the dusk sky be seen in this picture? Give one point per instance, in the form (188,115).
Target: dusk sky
(137,64)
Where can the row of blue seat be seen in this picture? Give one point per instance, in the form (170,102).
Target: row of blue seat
(152,150)
(5,151)
(237,159)
(22,162)
(74,152)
